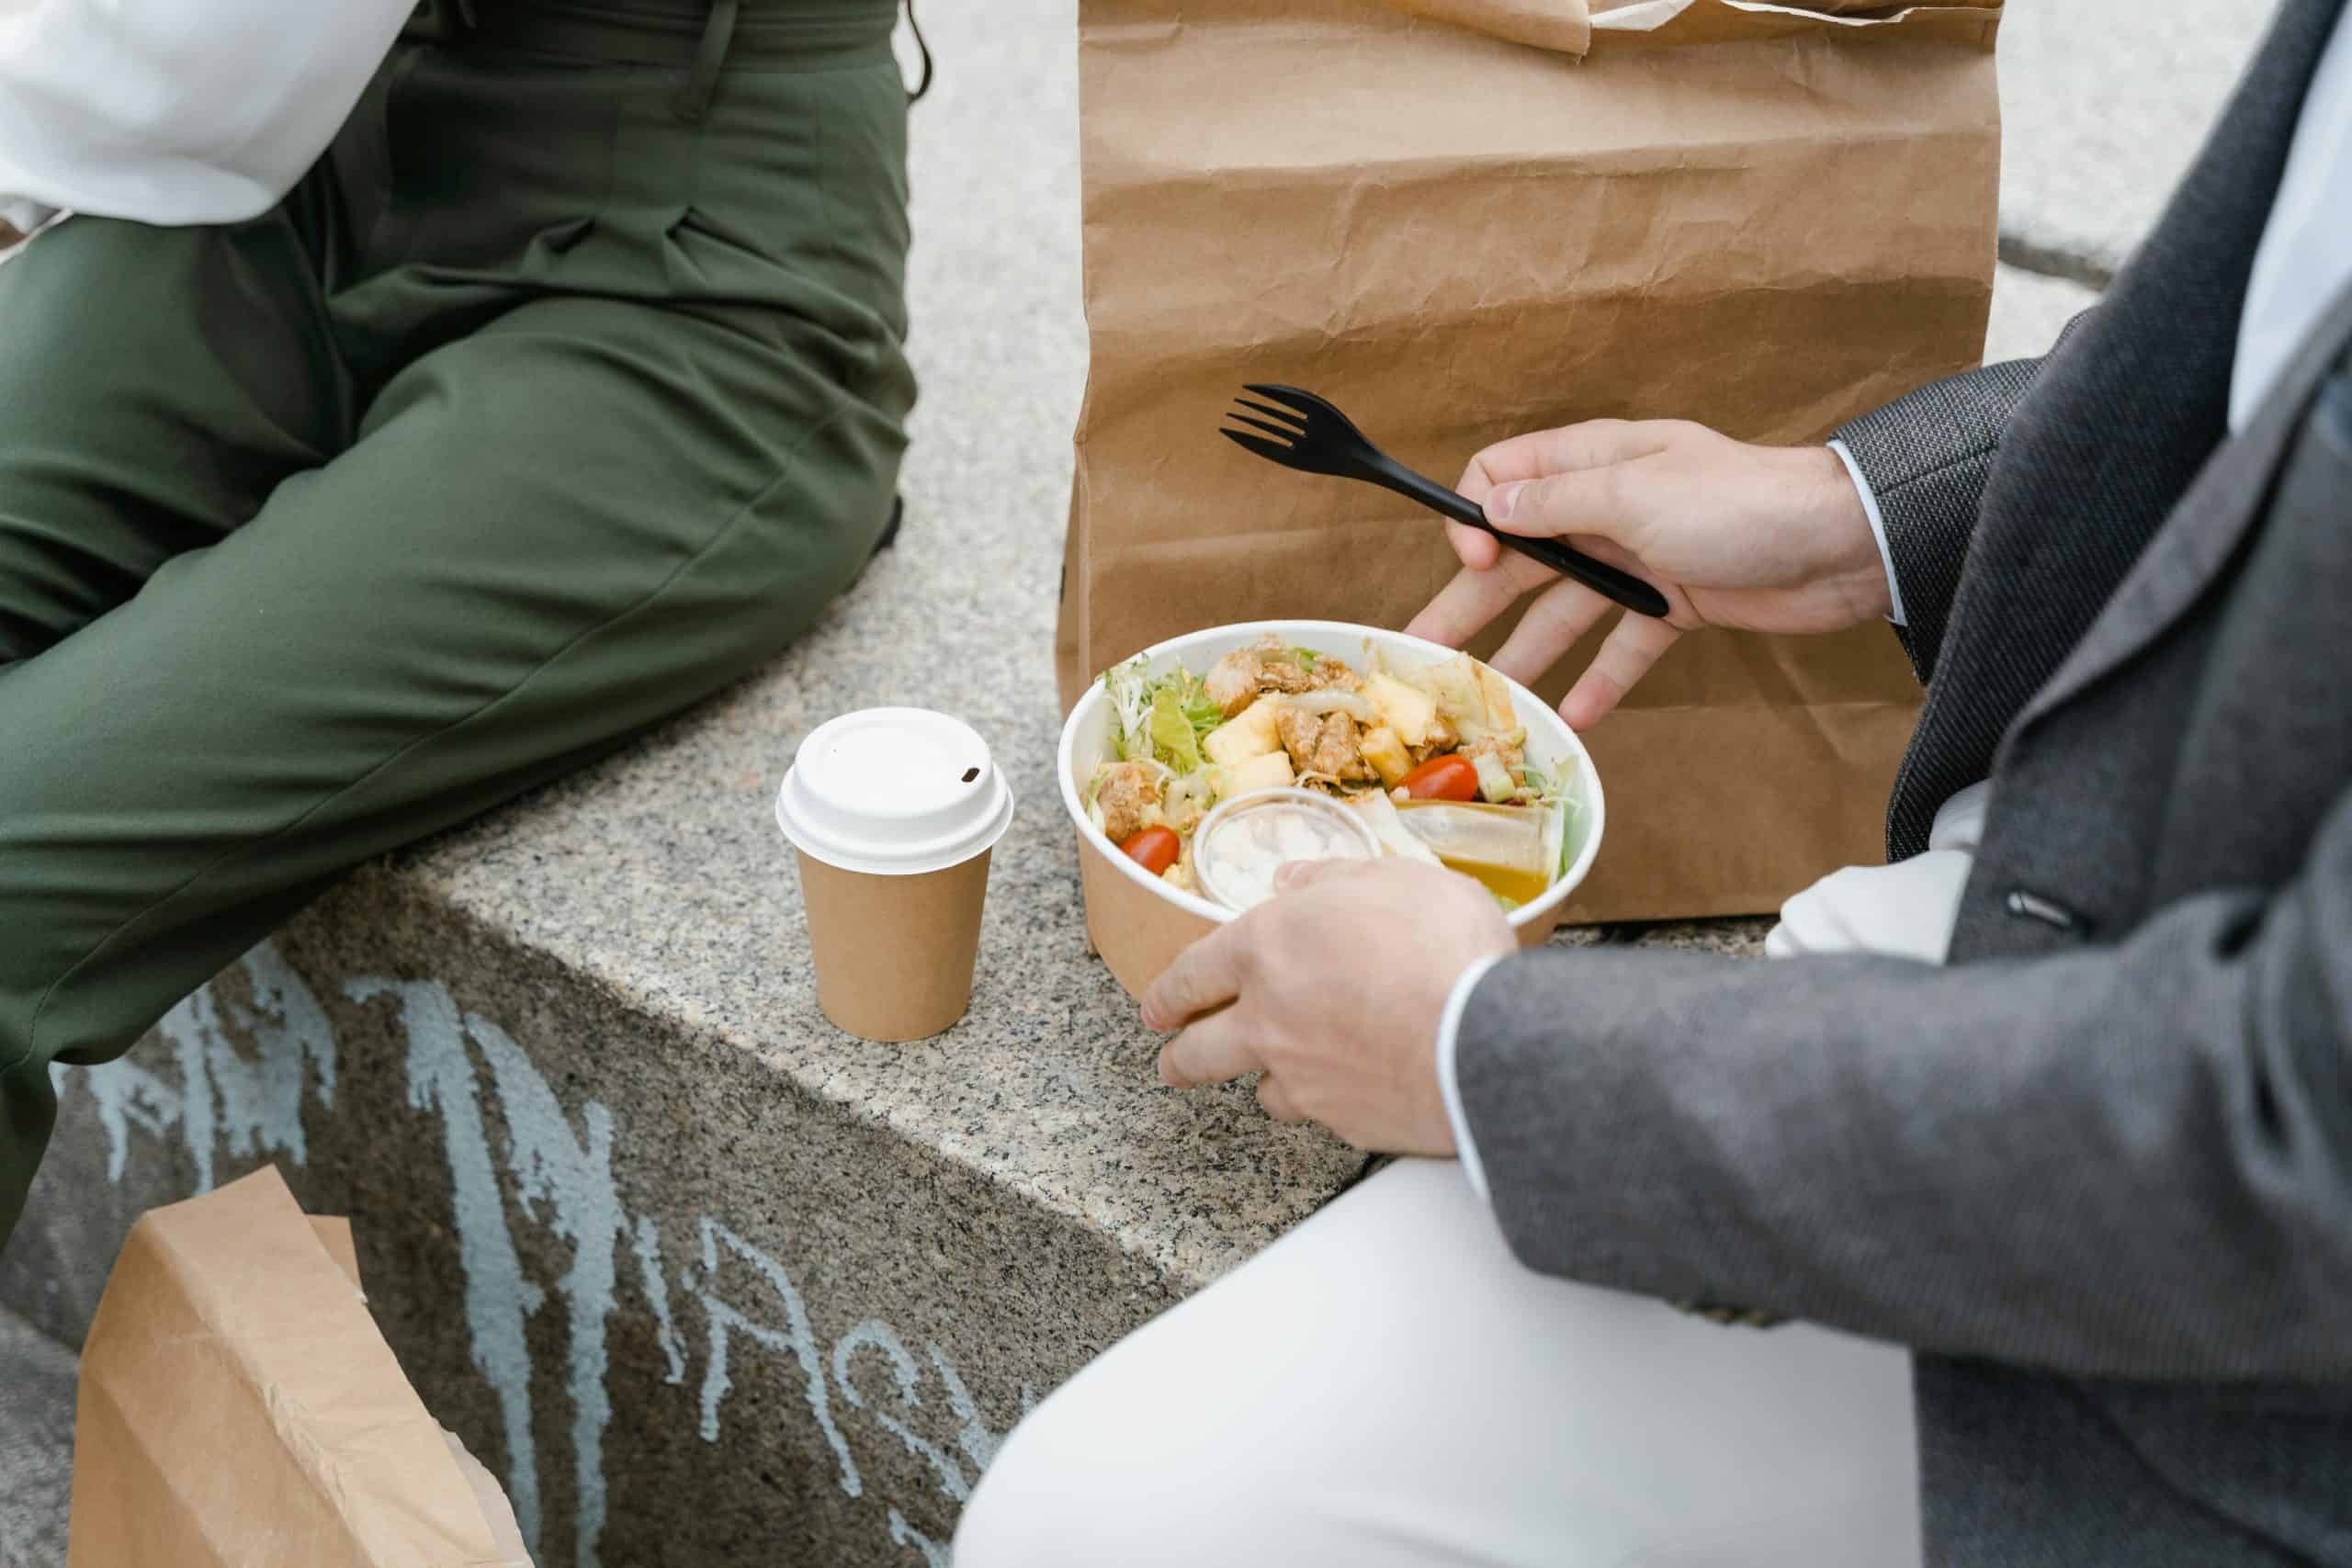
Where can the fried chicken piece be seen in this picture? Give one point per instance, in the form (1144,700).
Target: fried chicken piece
(1284,675)
(1495,746)
(1232,681)
(1269,665)
(1129,797)
(1299,731)
(1335,674)
(1324,745)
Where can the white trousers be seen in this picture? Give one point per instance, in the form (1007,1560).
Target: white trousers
(1388,1386)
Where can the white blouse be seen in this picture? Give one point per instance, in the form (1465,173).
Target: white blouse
(175,111)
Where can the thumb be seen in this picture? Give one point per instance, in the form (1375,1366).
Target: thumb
(1597,503)
(1291,875)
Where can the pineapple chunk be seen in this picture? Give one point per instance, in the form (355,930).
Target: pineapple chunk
(1402,709)
(1459,699)
(1385,750)
(1250,733)
(1272,771)
(1502,715)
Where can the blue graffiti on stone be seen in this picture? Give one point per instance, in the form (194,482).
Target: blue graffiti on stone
(250,1101)
(246,1072)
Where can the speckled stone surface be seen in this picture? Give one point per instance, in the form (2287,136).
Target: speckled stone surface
(1726,939)
(2104,102)
(36,1445)
(2028,313)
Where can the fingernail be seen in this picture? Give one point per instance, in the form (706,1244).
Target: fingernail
(1502,501)
(1289,873)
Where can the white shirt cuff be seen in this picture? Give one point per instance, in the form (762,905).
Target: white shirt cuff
(1877,531)
(1448,1025)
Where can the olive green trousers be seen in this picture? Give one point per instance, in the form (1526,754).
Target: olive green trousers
(566,389)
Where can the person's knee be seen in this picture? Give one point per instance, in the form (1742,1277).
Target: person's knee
(51,1006)
(1115,1467)
(1082,1482)
(1030,1511)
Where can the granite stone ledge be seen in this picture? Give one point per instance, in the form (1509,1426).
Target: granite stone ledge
(36,1444)
(2104,102)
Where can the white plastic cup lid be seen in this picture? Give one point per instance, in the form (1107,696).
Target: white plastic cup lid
(893,792)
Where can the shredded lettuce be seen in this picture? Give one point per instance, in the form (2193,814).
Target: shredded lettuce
(1550,787)
(1174,740)
(1159,718)
(1130,708)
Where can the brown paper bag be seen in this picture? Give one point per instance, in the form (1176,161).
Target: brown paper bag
(238,1405)
(1460,219)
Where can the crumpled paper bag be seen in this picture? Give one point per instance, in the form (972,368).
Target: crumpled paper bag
(238,1406)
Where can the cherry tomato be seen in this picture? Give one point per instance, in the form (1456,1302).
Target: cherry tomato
(1154,848)
(1452,777)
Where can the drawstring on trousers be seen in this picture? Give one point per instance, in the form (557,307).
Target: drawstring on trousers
(922,83)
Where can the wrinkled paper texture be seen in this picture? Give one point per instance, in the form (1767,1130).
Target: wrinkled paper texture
(238,1406)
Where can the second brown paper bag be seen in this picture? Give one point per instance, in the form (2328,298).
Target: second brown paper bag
(1462,220)
(238,1406)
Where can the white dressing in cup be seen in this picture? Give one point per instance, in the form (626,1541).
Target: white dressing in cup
(1239,846)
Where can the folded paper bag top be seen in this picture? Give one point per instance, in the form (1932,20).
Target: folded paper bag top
(238,1405)
(1565,27)
(1561,25)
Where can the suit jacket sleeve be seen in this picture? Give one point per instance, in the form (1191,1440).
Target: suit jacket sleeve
(2131,1161)
(1926,456)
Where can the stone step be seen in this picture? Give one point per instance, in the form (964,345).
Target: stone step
(705,1280)
(36,1444)
(2104,102)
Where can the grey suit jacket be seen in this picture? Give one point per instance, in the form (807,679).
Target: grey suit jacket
(2098,1171)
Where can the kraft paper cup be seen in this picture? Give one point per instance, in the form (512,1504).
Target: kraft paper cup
(1139,923)
(893,813)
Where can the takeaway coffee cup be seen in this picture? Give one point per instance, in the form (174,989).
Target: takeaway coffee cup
(893,812)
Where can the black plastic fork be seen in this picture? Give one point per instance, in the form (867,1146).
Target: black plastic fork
(1308,434)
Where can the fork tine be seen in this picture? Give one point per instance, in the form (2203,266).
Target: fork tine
(1285,432)
(1297,397)
(1272,451)
(1270,412)
(1275,391)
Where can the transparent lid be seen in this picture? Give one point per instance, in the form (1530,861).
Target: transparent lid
(1513,836)
(893,792)
(1239,846)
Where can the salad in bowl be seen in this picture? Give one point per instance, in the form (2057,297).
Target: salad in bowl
(1194,768)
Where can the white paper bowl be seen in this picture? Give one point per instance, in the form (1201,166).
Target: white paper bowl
(1139,923)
